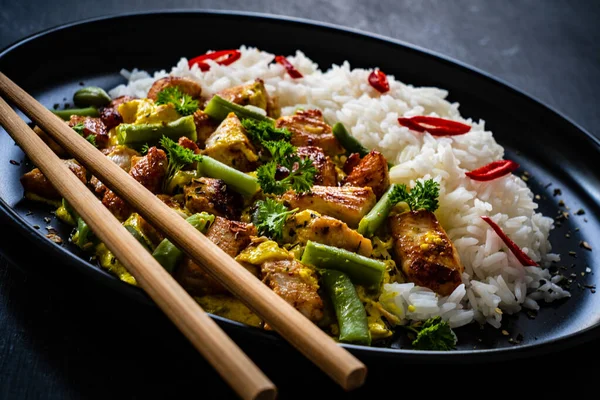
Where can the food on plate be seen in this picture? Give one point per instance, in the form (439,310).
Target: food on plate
(371,206)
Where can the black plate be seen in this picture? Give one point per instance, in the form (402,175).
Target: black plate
(93,52)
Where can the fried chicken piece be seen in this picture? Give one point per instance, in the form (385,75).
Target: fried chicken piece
(295,283)
(371,171)
(231,237)
(120,155)
(309,129)
(91,127)
(149,170)
(205,126)
(326,173)
(186,85)
(309,225)
(116,205)
(424,252)
(35,182)
(346,203)
(213,196)
(110,115)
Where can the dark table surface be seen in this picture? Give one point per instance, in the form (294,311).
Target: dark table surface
(62,338)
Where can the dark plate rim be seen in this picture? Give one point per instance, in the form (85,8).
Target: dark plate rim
(559,343)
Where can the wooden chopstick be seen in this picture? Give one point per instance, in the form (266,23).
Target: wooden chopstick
(309,339)
(226,357)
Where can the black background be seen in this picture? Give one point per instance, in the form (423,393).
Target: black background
(62,338)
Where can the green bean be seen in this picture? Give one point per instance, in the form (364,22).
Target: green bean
(65,213)
(362,270)
(167,254)
(218,108)
(84,112)
(350,311)
(91,96)
(83,231)
(348,141)
(83,234)
(238,181)
(370,223)
(139,134)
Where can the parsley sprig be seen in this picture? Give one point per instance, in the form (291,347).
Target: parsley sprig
(183,102)
(269,218)
(434,334)
(178,156)
(423,196)
(79,128)
(300,172)
(263,131)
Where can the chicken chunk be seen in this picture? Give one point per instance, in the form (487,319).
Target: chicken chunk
(309,225)
(371,171)
(110,115)
(36,183)
(120,155)
(88,126)
(197,282)
(295,283)
(205,126)
(309,129)
(326,173)
(212,196)
(177,203)
(230,145)
(148,170)
(425,253)
(186,85)
(116,205)
(188,144)
(346,203)
(231,237)
(254,94)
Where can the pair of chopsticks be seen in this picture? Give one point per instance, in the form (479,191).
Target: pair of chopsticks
(244,377)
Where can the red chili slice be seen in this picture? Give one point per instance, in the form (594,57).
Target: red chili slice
(521,256)
(493,170)
(222,57)
(291,70)
(435,126)
(379,81)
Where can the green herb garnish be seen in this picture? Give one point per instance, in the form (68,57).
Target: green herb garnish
(424,196)
(80,129)
(263,131)
(300,173)
(92,140)
(269,218)
(178,156)
(434,334)
(183,102)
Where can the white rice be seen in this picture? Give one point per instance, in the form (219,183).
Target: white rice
(494,282)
